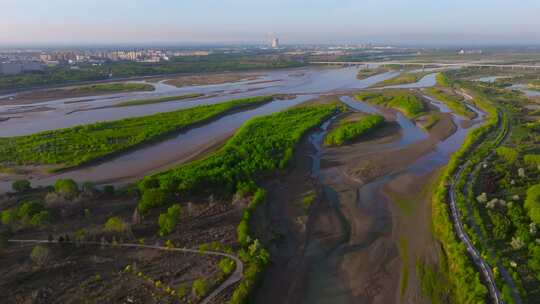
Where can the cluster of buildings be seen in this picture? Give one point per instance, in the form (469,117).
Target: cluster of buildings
(19,61)
(100,56)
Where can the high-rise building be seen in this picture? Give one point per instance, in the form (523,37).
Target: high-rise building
(275,43)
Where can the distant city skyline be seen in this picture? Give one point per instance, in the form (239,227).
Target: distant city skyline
(416,22)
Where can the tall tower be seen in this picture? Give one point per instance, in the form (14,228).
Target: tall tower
(275,43)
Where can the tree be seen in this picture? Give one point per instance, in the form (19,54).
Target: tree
(8,217)
(66,187)
(152,198)
(41,255)
(168,221)
(29,209)
(226,265)
(22,185)
(115,224)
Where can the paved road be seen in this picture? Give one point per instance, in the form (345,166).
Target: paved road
(439,64)
(233,278)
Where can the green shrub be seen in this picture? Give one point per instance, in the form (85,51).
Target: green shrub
(22,185)
(226,265)
(168,221)
(349,131)
(66,187)
(115,224)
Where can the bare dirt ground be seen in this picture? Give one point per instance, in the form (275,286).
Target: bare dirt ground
(348,246)
(98,274)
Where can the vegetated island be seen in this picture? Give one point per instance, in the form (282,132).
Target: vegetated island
(402,100)
(141,102)
(82,144)
(405,78)
(369,72)
(349,131)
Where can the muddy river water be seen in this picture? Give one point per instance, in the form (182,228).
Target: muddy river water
(305,83)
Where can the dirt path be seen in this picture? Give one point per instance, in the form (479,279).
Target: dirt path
(235,277)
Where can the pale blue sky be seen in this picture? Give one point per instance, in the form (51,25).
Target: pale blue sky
(294,21)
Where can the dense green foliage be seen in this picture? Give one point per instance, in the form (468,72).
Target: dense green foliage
(346,132)
(141,102)
(532,159)
(403,101)
(454,102)
(30,213)
(82,144)
(187,64)
(168,220)
(532,203)
(508,154)
(114,87)
(22,185)
(261,146)
(404,78)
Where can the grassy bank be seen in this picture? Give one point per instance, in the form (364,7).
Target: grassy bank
(400,100)
(404,78)
(141,102)
(117,87)
(349,131)
(454,102)
(82,144)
